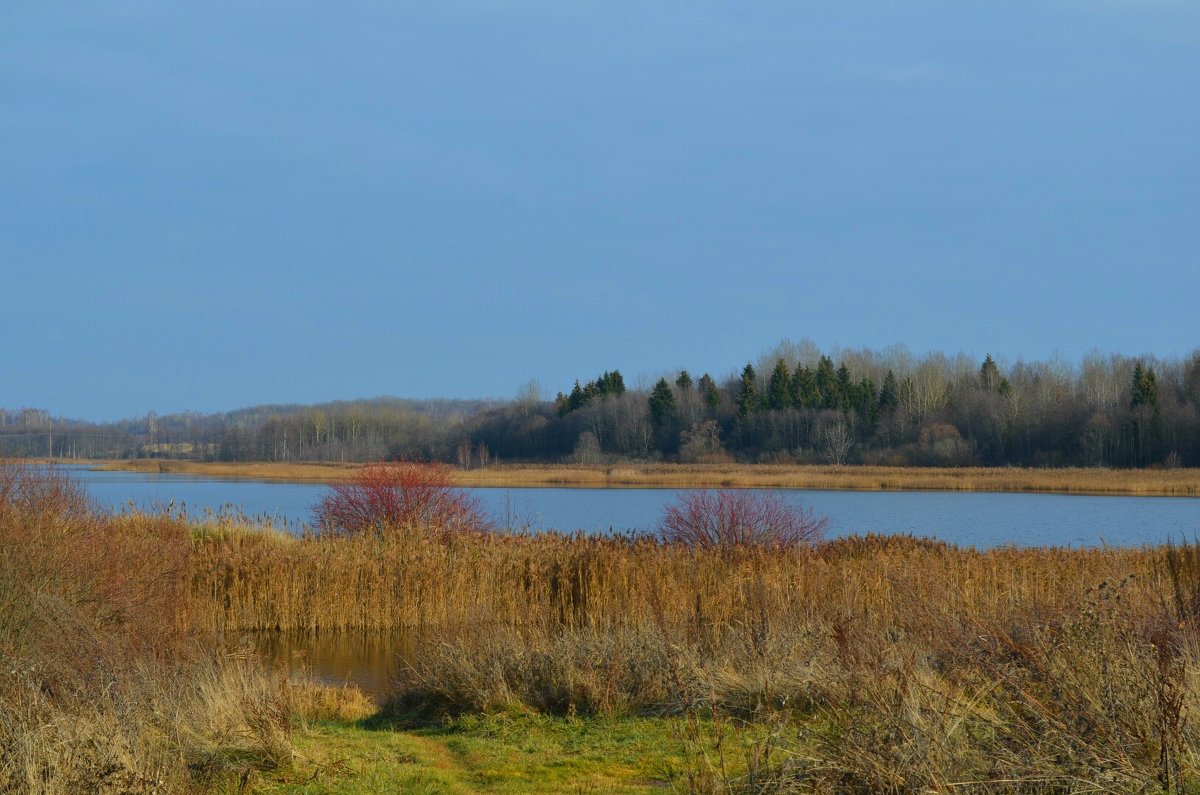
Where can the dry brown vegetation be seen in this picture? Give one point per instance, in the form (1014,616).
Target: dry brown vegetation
(1148,482)
(883,664)
(105,684)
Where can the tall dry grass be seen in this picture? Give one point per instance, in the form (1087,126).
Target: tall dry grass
(270,581)
(104,686)
(880,664)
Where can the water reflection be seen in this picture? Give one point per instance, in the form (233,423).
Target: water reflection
(366,659)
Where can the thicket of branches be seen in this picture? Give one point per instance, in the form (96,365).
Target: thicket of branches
(794,404)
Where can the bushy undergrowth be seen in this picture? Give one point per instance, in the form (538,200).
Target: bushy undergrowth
(103,686)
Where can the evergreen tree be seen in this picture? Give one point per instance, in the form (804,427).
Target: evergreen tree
(779,388)
(989,375)
(684,381)
(1145,387)
(845,389)
(561,403)
(708,390)
(576,399)
(611,383)
(747,396)
(826,383)
(866,399)
(889,393)
(662,401)
(804,388)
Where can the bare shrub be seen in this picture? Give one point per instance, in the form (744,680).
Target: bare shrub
(384,499)
(32,494)
(739,518)
(942,445)
(587,449)
(702,444)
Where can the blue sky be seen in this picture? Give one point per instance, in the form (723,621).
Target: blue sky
(205,206)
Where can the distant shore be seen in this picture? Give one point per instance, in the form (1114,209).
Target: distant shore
(1141,482)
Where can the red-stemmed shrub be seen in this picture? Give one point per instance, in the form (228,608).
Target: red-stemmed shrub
(385,499)
(739,518)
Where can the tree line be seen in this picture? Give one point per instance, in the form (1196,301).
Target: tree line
(795,404)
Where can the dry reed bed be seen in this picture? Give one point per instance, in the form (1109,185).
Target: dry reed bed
(877,664)
(269,581)
(1178,482)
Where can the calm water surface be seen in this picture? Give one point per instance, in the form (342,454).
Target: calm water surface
(969,518)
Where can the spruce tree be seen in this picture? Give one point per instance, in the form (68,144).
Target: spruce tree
(662,401)
(845,388)
(889,393)
(826,383)
(611,383)
(708,390)
(866,399)
(989,375)
(779,388)
(1145,387)
(747,396)
(804,388)
(576,398)
(684,381)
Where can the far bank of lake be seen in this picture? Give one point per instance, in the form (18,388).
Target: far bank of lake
(1142,482)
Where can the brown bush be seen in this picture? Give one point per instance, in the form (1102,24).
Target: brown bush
(739,518)
(384,499)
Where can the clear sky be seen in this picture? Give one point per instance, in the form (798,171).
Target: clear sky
(210,205)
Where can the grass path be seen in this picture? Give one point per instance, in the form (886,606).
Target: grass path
(505,753)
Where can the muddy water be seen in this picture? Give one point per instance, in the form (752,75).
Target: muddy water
(368,660)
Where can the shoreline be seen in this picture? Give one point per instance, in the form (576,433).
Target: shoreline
(1114,482)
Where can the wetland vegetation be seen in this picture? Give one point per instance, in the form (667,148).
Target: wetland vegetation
(555,662)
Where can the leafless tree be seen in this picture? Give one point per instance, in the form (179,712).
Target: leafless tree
(838,440)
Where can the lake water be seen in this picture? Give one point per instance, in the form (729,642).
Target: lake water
(978,519)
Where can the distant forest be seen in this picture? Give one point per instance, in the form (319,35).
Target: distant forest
(792,405)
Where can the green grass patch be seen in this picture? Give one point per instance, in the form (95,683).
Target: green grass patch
(510,752)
